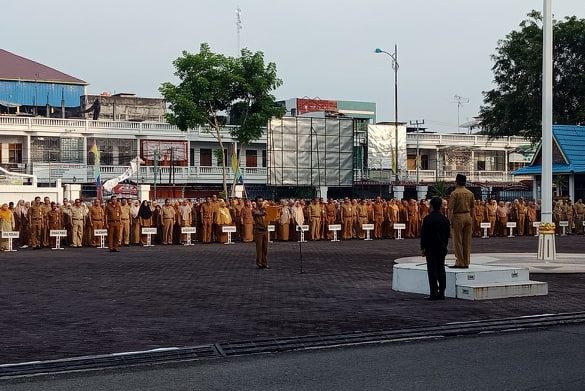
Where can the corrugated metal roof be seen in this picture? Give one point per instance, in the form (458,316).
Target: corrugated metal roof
(14,67)
(571,141)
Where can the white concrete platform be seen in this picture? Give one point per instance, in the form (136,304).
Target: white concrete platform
(565,263)
(501,290)
(480,282)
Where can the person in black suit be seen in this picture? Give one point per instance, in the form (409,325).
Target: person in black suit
(433,244)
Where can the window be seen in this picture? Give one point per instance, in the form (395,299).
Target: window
(264,158)
(205,157)
(14,153)
(251,158)
(192,157)
(424,162)
(481,165)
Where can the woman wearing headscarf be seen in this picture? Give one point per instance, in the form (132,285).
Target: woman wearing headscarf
(144,218)
(6,224)
(134,208)
(21,222)
(223,217)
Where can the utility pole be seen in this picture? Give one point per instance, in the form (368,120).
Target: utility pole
(417,123)
(239,27)
(460,102)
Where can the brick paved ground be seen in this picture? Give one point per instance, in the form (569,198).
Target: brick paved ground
(87,301)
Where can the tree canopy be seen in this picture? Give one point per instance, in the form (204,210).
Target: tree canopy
(213,86)
(513,107)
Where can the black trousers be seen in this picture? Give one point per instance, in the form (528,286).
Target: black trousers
(436,273)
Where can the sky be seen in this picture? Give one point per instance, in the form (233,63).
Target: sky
(322,48)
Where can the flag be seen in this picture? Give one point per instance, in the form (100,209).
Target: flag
(96,169)
(238,178)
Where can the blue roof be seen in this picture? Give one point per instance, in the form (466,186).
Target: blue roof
(571,141)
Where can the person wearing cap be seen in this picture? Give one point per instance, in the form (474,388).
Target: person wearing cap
(434,238)
(113,215)
(461,208)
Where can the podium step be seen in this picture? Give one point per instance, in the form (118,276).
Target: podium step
(500,290)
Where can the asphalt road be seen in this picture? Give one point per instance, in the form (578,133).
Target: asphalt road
(550,359)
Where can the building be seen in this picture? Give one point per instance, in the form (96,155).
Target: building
(185,164)
(27,87)
(568,163)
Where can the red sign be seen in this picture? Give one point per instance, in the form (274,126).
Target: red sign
(311,105)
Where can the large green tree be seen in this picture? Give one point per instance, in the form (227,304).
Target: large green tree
(513,107)
(213,87)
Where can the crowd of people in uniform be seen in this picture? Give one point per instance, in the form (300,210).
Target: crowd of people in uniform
(125,218)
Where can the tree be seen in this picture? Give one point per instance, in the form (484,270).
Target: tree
(213,86)
(513,107)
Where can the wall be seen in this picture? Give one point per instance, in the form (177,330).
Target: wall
(126,107)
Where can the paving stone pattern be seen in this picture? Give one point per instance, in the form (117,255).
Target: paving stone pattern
(90,301)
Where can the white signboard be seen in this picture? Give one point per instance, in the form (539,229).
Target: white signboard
(188,230)
(10,234)
(302,227)
(148,231)
(485,225)
(563,223)
(100,232)
(271,228)
(399,226)
(367,227)
(536,224)
(511,224)
(335,227)
(57,233)
(228,228)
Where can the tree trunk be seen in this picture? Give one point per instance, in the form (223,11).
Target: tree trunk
(223,167)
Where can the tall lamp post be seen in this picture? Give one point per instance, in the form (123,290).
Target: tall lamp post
(394,57)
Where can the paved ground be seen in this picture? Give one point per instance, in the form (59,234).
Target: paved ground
(87,301)
(549,359)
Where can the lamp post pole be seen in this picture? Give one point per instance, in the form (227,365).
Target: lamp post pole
(394,57)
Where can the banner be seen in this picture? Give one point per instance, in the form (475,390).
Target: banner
(130,171)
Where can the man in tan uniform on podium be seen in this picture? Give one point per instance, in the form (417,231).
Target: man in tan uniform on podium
(461,208)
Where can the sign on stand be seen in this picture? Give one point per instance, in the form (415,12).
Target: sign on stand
(229,229)
(511,225)
(102,233)
(399,227)
(335,228)
(57,234)
(188,231)
(485,227)
(148,232)
(368,228)
(302,229)
(536,224)
(564,225)
(10,235)
(271,228)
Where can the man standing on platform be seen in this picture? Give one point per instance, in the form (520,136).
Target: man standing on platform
(260,233)
(434,238)
(113,221)
(461,208)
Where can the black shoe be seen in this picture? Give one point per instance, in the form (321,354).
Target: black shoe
(266,267)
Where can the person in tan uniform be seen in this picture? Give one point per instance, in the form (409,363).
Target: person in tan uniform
(46,208)
(168,216)
(261,234)
(113,214)
(570,216)
(315,215)
(330,217)
(521,217)
(36,218)
(491,210)
(78,216)
(184,217)
(346,219)
(461,208)
(247,222)
(222,218)
(579,215)
(411,228)
(557,215)
(502,214)
(134,208)
(125,223)
(207,210)
(96,220)
(393,216)
(530,217)
(378,209)
(362,214)
(284,221)
(54,221)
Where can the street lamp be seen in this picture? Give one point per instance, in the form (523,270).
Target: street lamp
(394,57)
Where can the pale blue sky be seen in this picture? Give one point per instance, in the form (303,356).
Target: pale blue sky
(322,48)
